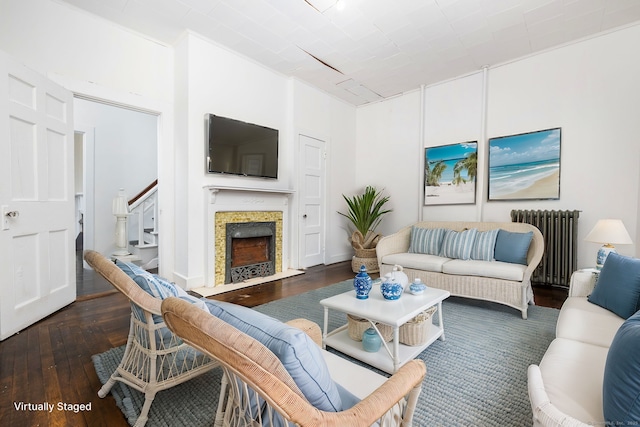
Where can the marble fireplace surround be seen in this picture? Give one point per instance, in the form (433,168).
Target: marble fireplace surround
(240,204)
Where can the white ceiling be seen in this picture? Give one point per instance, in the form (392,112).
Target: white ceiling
(372,49)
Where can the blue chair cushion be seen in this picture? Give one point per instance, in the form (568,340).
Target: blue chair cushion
(618,285)
(426,240)
(157,287)
(458,244)
(621,383)
(484,246)
(512,247)
(300,356)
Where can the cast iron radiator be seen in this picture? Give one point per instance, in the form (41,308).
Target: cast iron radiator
(560,232)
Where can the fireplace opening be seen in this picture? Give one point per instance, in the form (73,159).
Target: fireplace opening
(250,250)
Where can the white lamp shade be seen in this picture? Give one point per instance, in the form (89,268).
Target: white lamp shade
(121,204)
(609,231)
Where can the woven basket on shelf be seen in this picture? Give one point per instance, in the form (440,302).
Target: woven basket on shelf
(416,330)
(356,327)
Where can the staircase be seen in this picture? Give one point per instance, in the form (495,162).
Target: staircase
(143,226)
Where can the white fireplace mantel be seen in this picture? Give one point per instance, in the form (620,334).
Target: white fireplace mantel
(214,190)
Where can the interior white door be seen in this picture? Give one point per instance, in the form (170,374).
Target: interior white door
(37,250)
(312,199)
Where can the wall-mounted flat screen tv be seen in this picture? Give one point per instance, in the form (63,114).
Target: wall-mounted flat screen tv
(239,148)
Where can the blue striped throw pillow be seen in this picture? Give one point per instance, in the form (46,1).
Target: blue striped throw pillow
(458,244)
(157,287)
(484,246)
(426,240)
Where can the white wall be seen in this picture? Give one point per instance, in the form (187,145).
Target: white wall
(333,121)
(98,59)
(454,114)
(211,79)
(54,38)
(125,156)
(590,89)
(388,156)
(91,56)
(215,80)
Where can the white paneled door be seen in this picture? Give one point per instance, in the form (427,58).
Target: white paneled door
(312,195)
(37,251)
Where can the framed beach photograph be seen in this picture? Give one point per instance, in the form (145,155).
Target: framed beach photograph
(450,174)
(525,166)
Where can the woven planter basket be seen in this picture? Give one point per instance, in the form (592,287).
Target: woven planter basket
(416,330)
(365,253)
(371,264)
(356,327)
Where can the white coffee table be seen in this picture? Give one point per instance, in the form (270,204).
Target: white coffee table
(392,313)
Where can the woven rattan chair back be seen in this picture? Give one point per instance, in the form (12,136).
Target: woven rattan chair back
(154,359)
(253,372)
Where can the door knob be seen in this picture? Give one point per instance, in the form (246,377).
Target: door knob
(6,215)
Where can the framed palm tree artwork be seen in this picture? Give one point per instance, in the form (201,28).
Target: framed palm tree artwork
(450,174)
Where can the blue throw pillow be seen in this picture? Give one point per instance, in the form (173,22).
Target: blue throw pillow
(158,287)
(512,247)
(618,286)
(621,383)
(484,246)
(300,356)
(458,244)
(426,240)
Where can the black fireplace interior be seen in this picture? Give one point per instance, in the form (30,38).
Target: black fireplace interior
(250,250)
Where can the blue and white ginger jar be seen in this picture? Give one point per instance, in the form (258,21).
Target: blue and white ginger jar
(362,283)
(391,289)
(417,287)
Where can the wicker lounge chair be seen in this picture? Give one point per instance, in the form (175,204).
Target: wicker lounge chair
(154,359)
(253,372)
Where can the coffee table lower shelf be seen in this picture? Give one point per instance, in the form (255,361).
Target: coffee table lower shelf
(339,339)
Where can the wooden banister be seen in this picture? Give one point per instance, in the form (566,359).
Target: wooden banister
(143,192)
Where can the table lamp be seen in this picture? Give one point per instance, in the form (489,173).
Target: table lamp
(608,232)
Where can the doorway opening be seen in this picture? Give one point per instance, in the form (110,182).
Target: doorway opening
(116,147)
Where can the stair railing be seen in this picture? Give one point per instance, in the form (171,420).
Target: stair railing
(145,207)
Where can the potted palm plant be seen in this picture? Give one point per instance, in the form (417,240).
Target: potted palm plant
(365,214)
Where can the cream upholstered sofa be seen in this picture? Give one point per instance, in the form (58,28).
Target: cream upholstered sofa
(590,373)
(566,388)
(481,278)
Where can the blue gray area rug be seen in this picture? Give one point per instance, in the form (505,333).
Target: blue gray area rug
(476,377)
(192,403)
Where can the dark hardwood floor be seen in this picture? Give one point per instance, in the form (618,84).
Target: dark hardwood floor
(51,360)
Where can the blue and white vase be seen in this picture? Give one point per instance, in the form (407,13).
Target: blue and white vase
(391,289)
(362,283)
(371,341)
(417,287)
